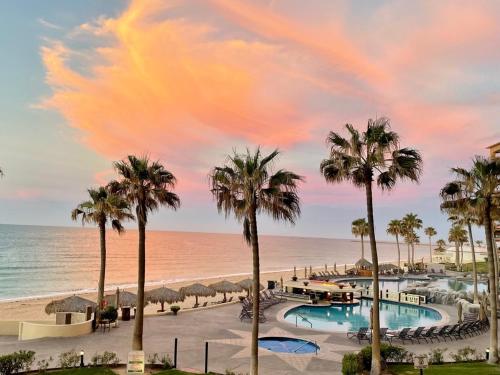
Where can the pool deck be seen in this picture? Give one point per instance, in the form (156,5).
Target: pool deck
(229,342)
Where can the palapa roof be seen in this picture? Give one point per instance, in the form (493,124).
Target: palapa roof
(69,304)
(387,266)
(126,299)
(363,263)
(197,289)
(163,294)
(225,286)
(247,284)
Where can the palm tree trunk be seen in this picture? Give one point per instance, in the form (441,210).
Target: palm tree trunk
(254,361)
(495,252)
(362,247)
(409,259)
(399,251)
(430,249)
(474,269)
(457,255)
(412,253)
(139,317)
(493,285)
(376,361)
(102,271)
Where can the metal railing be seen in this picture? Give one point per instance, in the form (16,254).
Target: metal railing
(304,319)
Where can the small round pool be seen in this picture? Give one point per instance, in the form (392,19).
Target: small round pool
(288,345)
(344,318)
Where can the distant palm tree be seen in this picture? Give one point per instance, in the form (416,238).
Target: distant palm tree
(479,243)
(360,159)
(411,222)
(441,243)
(430,232)
(359,228)
(103,207)
(396,228)
(246,186)
(457,235)
(482,182)
(146,185)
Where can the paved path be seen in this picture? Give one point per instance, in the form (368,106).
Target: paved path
(228,339)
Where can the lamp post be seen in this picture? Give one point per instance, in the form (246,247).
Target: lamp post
(82,353)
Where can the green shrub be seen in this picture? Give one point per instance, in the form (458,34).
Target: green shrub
(43,365)
(388,353)
(69,359)
(153,358)
(166,362)
(436,356)
(17,361)
(110,313)
(350,364)
(107,359)
(466,354)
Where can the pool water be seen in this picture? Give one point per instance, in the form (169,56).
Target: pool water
(343,318)
(288,345)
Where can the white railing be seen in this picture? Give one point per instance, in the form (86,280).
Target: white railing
(413,299)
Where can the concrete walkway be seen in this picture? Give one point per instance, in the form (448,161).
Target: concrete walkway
(229,342)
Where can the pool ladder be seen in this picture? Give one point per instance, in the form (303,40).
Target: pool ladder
(304,344)
(303,319)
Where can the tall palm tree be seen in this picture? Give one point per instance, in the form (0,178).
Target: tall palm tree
(430,232)
(457,203)
(103,207)
(396,228)
(457,235)
(482,183)
(359,228)
(411,222)
(247,186)
(479,243)
(147,185)
(362,158)
(441,243)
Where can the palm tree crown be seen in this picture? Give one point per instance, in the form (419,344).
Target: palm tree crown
(103,206)
(430,232)
(359,227)
(395,228)
(246,183)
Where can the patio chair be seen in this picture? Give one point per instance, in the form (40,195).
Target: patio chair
(417,334)
(429,334)
(403,335)
(384,336)
(361,331)
(451,332)
(440,333)
(230,300)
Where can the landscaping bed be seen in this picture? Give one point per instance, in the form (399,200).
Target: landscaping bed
(477,368)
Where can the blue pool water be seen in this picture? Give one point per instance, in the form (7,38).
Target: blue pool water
(345,318)
(288,345)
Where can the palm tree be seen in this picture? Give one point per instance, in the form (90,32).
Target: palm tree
(103,207)
(456,235)
(411,222)
(481,183)
(146,185)
(359,228)
(430,232)
(479,243)
(441,243)
(246,186)
(360,159)
(395,228)
(457,203)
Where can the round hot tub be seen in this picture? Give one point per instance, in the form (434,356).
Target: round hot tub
(288,345)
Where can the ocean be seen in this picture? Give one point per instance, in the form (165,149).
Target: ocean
(38,261)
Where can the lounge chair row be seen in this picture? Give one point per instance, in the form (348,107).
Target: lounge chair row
(267,298)
(212,303)
(455,331)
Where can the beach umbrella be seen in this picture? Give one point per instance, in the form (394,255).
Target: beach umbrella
(387,267)
(126,299)
(197,290)
(363,263)
(69,304)
(247,285)
(162,295)
(459,312)
(224,287)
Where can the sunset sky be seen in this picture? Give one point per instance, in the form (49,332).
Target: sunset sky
(86,82)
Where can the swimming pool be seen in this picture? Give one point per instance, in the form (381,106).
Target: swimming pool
(288,345)
(345,318)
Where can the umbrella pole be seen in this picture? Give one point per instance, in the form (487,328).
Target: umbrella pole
(196,303)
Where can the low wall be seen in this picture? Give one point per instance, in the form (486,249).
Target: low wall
(34,330)
(9,328)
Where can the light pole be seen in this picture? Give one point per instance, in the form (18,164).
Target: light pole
(82,353)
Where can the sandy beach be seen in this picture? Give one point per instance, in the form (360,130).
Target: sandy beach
(34,309)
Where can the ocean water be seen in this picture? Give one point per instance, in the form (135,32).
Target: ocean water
(45,261)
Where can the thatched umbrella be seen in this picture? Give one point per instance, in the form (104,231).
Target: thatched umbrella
(363,263)
(162,295)
(197,290)
(247,284)
(224,287)
(387,267)
(70,304)
(126,299)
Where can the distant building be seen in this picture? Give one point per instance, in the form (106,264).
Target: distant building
(494,151)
